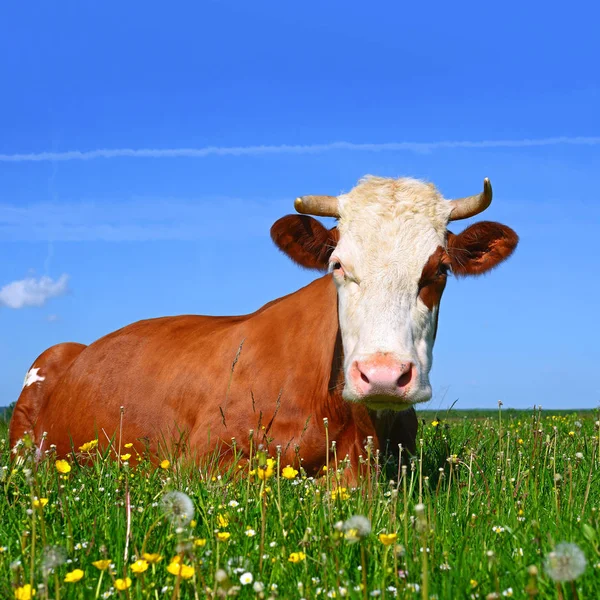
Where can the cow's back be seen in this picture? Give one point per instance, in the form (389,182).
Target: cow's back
(149,368)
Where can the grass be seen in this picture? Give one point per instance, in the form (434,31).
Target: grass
(476,514)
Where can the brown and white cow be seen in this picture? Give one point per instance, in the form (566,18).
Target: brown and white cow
(354,346)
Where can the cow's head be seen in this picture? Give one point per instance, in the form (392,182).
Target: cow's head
(389,256)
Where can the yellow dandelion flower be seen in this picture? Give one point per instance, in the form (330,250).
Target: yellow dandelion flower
(268,470)
(165,464)
(40,503)
(125,457)
(139,566)
(435,423)
(88,446)
(129,445)
(200,542)
(520,441)
(152,558)
(222,521)
(223,536)
(387,539)
(296,557)
(340,494)
(25,592)
(62,466)
(473,583)
(571,433)
(184,571)
(74,576)
(289,472)
(123,584)
(102,564)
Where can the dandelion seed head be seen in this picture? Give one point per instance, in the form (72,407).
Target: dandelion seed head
(356,528)
(178,508)
(565,563)
(52,557)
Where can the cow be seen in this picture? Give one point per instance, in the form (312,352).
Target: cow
(347,357)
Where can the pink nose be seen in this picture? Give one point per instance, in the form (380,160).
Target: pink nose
(381,374)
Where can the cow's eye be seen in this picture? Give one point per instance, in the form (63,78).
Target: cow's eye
(336,268)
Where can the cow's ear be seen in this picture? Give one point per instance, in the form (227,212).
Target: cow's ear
(480,247)
(305,240)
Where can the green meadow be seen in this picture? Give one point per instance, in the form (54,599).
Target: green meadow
(493,505)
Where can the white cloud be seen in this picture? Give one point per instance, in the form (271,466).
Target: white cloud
(294,149)
(32,291)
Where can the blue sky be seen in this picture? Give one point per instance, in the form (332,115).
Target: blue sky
(100,242)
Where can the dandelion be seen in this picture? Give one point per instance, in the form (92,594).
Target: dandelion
(178,508)
(183,571)
(152,558)
(52,557)
(266,471)
(62,466)
(296,557)
(102,564)
(40,503)
(74,576)
(129,445)
(566,563)
(289,472)
(357,528)
(139,566)
(246,578)
(223,536)
(387,539)
(25,592)
(435,423)
(222,521)
(200,543)
(221,576)
(340,494)
(165,464)
(125,457)
(88,446)
(123,584)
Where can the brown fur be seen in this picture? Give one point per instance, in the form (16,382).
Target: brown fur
(304,240)
(480,247)
(52,364)
(174,377)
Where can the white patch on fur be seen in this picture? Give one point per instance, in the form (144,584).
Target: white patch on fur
(388,230)
(32,377)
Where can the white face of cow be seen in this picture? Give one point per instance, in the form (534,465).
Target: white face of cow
(389,230)
(389,256)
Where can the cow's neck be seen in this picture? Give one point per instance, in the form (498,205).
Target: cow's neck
(320,349)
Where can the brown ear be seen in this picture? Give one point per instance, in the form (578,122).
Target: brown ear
(304,240)
(480,247)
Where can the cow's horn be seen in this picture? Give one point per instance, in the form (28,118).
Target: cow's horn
(463,208)
(320,206)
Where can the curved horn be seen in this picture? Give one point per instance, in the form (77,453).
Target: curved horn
(463,208)
(320,206)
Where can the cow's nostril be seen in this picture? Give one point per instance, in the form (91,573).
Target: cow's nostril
(364,377)
(404,379)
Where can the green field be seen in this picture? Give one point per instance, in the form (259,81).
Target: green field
(478,513)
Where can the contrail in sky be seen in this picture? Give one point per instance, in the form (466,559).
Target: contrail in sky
(419,147)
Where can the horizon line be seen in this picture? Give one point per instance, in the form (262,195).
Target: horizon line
(203,152)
